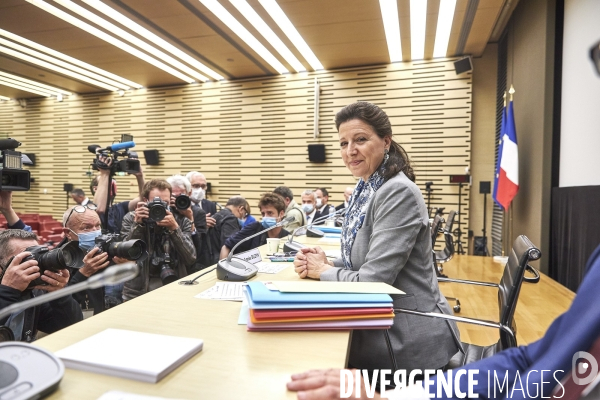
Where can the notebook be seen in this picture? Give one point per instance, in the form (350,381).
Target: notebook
(141,356)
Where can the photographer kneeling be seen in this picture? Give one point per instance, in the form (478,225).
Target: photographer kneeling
(20,279)
(169,239)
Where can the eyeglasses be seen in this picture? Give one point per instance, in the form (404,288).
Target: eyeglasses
(81,209)
(595,56)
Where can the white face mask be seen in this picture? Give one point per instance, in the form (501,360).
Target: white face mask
(319,203)
(197,195)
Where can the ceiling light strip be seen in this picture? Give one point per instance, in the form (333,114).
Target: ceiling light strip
(244,34)
(29,85)
(252,16)
(56,68)
(4,98)
(62,64)
(391,26)
(115,30)
(152,37)
(67,58)
(444,26)
(291,32)
(42,85)
(25,89)
(418,20)
(110,39)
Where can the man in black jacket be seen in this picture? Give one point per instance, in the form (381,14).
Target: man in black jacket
(16,275)
(228,223)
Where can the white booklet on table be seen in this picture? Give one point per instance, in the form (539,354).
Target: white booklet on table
(146,357)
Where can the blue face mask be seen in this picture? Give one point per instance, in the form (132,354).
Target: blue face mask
(241,221)
(86,239)
(268,222)
(308,208)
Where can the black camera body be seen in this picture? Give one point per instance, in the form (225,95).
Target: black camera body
(67,256)
(12,175)
(126,165)
(114,246)
(157,210)
(182,202)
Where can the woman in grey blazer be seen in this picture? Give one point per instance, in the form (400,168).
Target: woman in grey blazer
(386,238)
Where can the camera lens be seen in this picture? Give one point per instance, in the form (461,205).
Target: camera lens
(182,202)
(131,250)
(157,212)
(67,259)
(167,275)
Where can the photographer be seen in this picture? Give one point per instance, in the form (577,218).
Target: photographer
(181,186)
(169,239)
(15,277)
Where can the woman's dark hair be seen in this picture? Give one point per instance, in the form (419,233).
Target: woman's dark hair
(378,120)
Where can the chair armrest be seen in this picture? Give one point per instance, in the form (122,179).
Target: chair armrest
(480,322)
(536,275)
(468,282)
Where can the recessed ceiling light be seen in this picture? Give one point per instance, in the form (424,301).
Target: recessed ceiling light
(260,25)
(110,39)
(444,26)
(418,20)
(150,36)
(216,8)
(391,26)
(68,59)
(291,32)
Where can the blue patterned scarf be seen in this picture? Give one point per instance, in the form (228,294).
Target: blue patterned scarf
(357,208)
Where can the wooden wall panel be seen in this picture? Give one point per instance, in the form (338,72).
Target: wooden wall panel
(249,136)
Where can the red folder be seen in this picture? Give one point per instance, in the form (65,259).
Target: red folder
(317,312)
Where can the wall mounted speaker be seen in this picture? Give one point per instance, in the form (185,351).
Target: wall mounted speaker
(316,153)
(31,157)
(485,187)
(68,187)
(463,65)
(152,157)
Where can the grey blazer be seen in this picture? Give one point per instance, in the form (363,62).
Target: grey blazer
(394,246)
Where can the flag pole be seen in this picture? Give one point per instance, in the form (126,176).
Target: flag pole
(504,225)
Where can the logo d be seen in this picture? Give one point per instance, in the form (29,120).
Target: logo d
(583,368)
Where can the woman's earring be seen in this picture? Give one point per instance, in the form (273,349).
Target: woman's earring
(386,155)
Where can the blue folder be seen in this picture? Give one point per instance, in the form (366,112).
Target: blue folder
(329,229)
(261,297)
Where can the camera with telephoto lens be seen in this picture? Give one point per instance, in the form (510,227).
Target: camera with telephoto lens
(127,165)
(69,255)
(157,210)
(166,271)
(182,202)
(114,246)
(12,175)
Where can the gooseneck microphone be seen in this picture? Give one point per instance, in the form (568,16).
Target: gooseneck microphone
(111,276)
(291,246)
(229,269)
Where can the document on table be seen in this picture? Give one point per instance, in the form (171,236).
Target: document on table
(272,267)
(224,291)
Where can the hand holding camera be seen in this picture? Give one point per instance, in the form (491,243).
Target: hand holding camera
(94,261)
(183,205)
(19,274)
(168,222)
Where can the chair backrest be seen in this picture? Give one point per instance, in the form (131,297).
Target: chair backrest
(450,222)
(435,229)
(522,252)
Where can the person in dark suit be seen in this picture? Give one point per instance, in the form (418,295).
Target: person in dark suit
(347,194)
(386,238)
(229,222)
(198,196)
(323,206)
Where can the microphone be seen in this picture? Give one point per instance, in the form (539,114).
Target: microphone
(111,276)
(121,146)
(291,246)
(9,144)
(92,148)
(238,269)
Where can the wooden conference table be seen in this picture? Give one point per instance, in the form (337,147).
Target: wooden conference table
(235,363)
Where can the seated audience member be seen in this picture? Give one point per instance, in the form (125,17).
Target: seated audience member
(322,202)
(248,219)
(116,212)
(272,208)
(229,222)
(78,196)
(181,186)
(309,201)
(15,277)
(198,196)
(577,330)
(347,194)
(292,209)
(170,236)
(386,238)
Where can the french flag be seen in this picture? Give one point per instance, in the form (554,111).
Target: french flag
(506,183)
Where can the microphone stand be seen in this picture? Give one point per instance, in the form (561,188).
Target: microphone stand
(291,246)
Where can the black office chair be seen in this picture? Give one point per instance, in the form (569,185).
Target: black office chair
(436,225)
(445,255)
(523,251)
